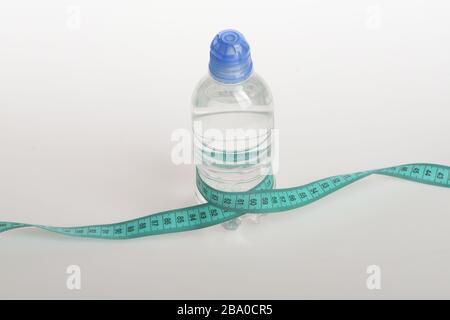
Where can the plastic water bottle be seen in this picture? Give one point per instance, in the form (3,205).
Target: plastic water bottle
(232,117)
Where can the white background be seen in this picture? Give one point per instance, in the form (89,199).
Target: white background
(88,103)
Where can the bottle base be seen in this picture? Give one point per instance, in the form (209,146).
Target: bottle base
(251,218)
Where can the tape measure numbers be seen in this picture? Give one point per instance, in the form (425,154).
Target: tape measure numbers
(224,206)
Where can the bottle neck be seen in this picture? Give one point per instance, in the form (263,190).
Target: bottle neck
(231,84)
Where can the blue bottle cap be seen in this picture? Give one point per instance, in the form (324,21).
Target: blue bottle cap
(230,60)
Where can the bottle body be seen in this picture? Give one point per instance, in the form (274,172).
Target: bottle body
(232,132)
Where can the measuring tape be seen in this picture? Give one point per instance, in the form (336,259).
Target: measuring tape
(224,206)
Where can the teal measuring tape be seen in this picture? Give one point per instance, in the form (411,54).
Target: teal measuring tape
(224,206)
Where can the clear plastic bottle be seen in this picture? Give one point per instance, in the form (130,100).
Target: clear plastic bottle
(232,119)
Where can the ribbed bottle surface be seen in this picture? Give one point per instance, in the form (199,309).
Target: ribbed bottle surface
(232,126)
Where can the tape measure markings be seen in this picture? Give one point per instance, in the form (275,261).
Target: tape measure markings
(224,206)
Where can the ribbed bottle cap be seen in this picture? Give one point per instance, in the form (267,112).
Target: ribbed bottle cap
(230,60)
